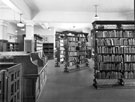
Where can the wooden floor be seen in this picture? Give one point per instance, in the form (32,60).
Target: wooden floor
(77,87)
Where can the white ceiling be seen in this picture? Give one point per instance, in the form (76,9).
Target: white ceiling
(68,13)
(3,6)
(85,5)
(64,14)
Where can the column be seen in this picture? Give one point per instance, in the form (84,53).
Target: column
(3,29)
(29,39)
(3,35)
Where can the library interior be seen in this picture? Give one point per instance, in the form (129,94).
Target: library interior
(82,50)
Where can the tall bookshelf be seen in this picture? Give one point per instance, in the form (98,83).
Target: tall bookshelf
(38,44)
(114,49)
(48,49)
(74,49)
(57,49)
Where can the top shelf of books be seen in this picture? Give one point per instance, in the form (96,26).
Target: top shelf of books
(113,22)
(114,25)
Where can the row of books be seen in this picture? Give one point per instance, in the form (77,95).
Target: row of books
(129,58)
(109,58)
(116,50)
(72,59)
(72,53)
(129,66)
(108,75)
(106,26)
(72,39)
(115,75)
(115,33)
(75,39)
(110,50)
(71,48)
(81,35)
(115,42)
(82,53)
(72,44)
(109,66)
(129,75)
(116,67)
(82,39)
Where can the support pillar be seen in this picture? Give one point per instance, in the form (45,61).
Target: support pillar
(29,39)
(3,35)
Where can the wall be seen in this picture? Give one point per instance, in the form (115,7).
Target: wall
(76,17)
(11,32)
(48,35)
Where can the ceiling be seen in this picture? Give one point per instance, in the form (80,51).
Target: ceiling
(74,14)
(3,6)
(68,13)
(85,5)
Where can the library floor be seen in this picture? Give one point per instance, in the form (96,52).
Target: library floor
(77,87)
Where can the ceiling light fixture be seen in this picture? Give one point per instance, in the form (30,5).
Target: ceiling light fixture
(20,24)
(96,15)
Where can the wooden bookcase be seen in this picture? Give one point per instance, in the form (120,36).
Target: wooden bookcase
(38,44)
(48,49)
(114,49)
(33,72)
(10,82)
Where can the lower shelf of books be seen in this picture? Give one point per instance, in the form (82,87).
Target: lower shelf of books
(114,83)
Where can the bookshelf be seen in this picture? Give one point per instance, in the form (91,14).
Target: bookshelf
(114,47)
(48,49)
(12,46)
(57,51)
(38,43)
(3,45)
(73,49)
(29,68)
(10,82)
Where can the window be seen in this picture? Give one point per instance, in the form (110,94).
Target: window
(14,98)
(15,75)
(18,84)
(15,87)
(18,73)
(18,96)
(11,100)
(12,89)
(12,77)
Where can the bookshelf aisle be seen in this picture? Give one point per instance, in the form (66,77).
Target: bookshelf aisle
(38,44)
(48,50)
(57,51)
(73,50)
(114,53)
